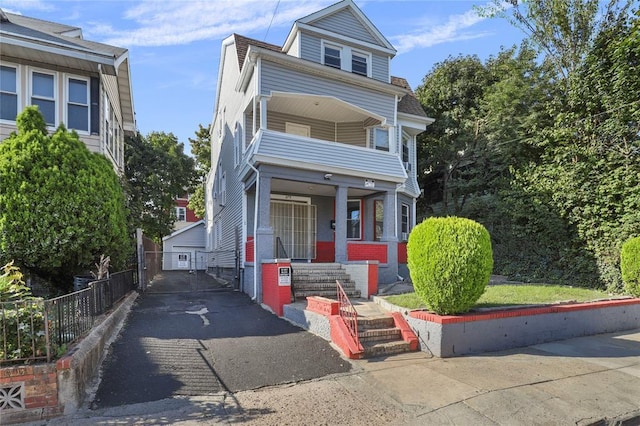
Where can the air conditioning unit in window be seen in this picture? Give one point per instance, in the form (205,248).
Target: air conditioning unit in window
(405,236)
(407,166)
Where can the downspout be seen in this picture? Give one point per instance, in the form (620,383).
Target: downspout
(255,231)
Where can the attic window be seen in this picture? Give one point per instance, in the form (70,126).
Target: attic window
(358,64)
(332,56)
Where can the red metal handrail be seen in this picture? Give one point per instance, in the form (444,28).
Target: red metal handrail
(348,313)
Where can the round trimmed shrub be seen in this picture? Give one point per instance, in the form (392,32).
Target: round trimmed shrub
(450,262)
(630,266)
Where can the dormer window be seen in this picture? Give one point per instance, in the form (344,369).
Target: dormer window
(358,64)
(332,56)
(346,58)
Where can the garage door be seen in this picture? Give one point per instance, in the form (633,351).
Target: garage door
(185,258)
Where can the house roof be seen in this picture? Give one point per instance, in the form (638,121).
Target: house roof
(409,104)
(183,230)
(38,41)
(54,33)
(308,22)
(242,46)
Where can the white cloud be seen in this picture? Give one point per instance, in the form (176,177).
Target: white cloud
(12,6)
(454,29)
(165,23)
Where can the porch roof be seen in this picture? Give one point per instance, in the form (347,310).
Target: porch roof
(327,108)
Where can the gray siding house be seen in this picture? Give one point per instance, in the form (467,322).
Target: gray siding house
(313,150)
(76,82)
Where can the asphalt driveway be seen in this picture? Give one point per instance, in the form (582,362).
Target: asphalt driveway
(178,341)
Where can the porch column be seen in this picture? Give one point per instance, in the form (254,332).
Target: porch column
(341,224)
(390,216)
(264,232)
(389,234)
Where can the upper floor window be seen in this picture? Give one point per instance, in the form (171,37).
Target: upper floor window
(78,104)
(359,64)
(181,214)
(43,95)
(8,93)
(381,139)
(332,56)
(405,152)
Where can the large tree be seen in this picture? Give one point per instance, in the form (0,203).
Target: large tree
(591,159)
(157,170)
(201,150)
(61,206)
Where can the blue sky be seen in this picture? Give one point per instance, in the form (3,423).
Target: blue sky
(174,45)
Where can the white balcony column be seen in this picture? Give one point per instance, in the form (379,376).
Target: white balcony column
(341,224)
(263,113)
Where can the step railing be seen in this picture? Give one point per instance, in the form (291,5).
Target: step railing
(348,313)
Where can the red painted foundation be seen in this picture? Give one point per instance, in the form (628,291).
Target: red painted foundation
(274,294)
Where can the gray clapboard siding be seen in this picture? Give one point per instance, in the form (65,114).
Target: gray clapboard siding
(310,48)
(319,154)
(345,22)
(324,130)
(380,68)
(352,134)
(277,78)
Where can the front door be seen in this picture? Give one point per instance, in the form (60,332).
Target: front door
(293,221)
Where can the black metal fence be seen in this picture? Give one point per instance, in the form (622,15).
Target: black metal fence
(40,329)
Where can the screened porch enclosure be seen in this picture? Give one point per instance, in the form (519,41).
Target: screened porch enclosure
(294,225)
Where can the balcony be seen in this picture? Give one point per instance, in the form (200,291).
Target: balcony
(323,133)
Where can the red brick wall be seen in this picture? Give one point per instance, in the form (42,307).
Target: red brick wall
(367,251)
(325,251)
(402,252)
(40,391)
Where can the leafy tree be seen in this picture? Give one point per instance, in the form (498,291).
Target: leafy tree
(564,30)
(485,115)
(591,160)
(157,170)
(201,149)
(61,206)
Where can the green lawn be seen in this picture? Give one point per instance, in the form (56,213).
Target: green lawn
(513,295)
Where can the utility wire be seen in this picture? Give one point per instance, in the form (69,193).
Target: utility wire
(272,18)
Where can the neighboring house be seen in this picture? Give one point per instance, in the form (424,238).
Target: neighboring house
(79,83)
(185,248)
(313,149)
(184,215)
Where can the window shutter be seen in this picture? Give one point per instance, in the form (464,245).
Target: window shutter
(94,92)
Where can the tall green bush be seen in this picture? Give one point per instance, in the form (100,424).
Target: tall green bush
(61,206)
(450,261)
(630,266)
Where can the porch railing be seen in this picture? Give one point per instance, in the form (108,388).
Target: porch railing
(38,329)
(348,313)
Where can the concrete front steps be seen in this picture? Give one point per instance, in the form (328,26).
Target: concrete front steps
(319,279)
(380,333)
(379,336)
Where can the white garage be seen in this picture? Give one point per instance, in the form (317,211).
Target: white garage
(184,249)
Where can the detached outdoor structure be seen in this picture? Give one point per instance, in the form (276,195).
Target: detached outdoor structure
(33,385)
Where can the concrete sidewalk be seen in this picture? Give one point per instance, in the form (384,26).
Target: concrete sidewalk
(583,381)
